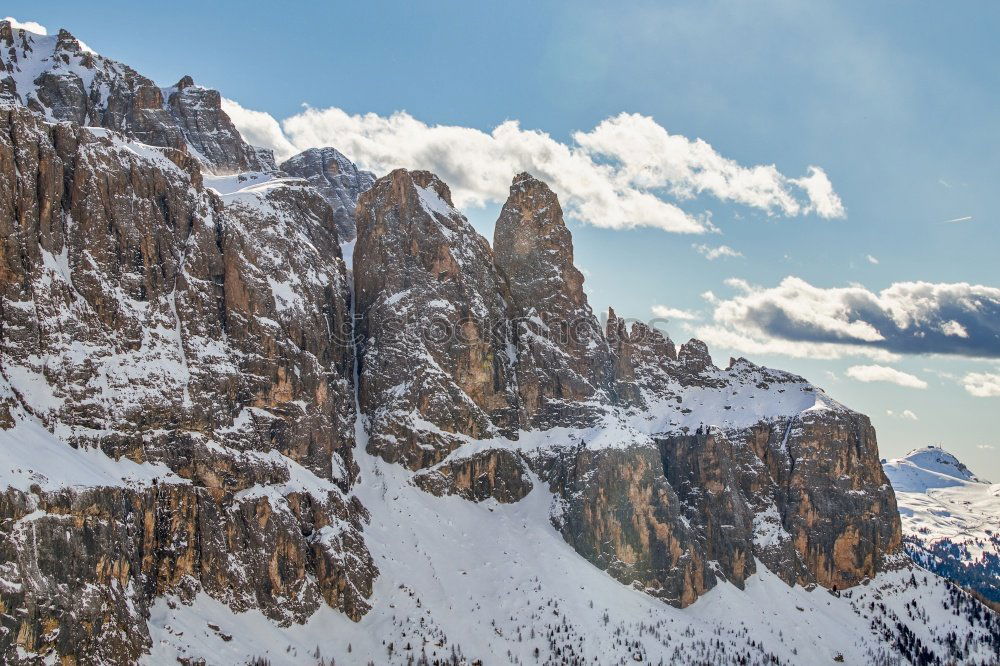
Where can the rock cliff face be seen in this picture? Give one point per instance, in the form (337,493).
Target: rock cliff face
(674,473)
(84,567)
(434,342)
(338,179)
(564,369)
(144,317)
(182,368)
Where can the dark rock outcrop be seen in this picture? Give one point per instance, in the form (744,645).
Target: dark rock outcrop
(621,514)
(495,473)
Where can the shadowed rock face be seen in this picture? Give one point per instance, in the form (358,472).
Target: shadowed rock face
(499,474)
(338,179)
(622,514)
(564,369)
(88,565)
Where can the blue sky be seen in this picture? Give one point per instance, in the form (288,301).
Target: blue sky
(895,103)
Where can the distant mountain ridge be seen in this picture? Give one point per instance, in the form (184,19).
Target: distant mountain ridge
(951,518)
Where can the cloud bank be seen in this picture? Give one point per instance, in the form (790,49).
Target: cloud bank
(627,172)
(798,319)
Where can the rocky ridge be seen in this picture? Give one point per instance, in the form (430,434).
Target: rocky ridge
(190,377)
(670,473)
(54,76)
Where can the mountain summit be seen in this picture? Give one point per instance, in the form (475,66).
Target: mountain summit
(951,518)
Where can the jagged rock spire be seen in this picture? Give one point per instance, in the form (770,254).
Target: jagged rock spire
(563,358)
(433,319)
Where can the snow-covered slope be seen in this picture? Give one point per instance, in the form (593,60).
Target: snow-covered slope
(497,583)
(951,518)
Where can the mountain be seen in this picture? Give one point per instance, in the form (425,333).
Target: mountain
(223,441)
(950,518)
(338,179)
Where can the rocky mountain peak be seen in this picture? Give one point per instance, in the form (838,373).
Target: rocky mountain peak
(563,356)
(694,356)
(533,244)
(433,317)
(428,180)
(338,179)
(65,41)
(57,77)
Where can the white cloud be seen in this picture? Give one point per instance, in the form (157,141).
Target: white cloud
(673,313)
(651,157)
(906,415)
(259,129)
(626,172)
(882,373)
(822,199)
(797,318)
(985,447)
(30,26)
(982,384)
(872,260)
(954,328)
(713,253)
(958,219)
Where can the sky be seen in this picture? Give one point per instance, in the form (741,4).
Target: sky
(807,184)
